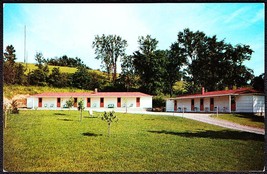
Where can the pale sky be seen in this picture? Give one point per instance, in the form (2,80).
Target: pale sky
(69,29)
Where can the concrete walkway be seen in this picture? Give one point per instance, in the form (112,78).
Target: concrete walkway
(200,117)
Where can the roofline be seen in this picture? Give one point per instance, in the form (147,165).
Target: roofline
(206,96)
(98,94)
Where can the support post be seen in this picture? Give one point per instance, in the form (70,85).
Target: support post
(217,110)
(183,110)
(229,104)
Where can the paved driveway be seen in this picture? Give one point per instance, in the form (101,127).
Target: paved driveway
(201,117)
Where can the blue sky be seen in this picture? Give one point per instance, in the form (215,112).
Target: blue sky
(69,29)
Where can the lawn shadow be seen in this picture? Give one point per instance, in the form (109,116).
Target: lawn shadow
(251,117)
(224,134)
(65,119)
(90,117)
(89,134)
(59,114)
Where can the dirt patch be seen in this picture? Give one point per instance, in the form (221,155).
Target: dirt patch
(21,100)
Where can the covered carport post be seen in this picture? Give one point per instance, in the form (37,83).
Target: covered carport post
(229,105)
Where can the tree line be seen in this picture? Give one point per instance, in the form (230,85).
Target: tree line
(193,60)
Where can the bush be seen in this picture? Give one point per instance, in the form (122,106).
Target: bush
(158,102)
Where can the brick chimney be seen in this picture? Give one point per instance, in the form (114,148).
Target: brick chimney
(203,91)
(95,90)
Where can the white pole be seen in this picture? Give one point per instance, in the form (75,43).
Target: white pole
(217,110)
(183,110)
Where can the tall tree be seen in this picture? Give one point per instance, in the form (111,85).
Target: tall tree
(214,64)
(150,65)
(128,77)
(13,72)
(81,78)
(109,49)
(258,82)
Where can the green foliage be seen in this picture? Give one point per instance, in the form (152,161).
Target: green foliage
(70,102)
(150,65)
(158,101)
(81,78)
(258,82)
(180,87)
(109,49)
(213,64)
(66,61)
(37,77)
(13,72)
(14,107)
(109,117)
(81,108)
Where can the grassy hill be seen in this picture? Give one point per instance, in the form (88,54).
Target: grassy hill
(12,90)
(62,69)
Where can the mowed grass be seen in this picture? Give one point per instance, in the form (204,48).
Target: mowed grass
(243,119)
(12,90)
(54,141)
(62,69)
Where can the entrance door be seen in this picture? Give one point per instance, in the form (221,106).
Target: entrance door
(233,105)
(101,102)
(75,102)
(201,104)
(175,105)
(192,104)
(58,102)
(88,102)
(211,104)
(40,102)
(118,102)
(137,102)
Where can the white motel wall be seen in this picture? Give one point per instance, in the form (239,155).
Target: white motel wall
(51,102)
(244,104)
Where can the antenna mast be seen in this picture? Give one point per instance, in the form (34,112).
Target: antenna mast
(25,57)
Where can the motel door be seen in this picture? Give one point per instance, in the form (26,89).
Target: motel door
(75,102)
(233,105)
(192,104)
(211,104)
(88,102)
(58,102)
(101,102)
(175,105)
(137,102)
(201,104)
(118,102)
(40,101)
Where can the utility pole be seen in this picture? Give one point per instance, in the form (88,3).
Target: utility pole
(25,57)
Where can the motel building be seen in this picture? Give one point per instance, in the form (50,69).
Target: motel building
(93,100)
(242,100)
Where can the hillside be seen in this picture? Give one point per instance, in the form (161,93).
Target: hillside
(63,69)
(12,90)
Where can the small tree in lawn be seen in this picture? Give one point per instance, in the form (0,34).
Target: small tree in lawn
(109,118)
(70,103)
(81,108)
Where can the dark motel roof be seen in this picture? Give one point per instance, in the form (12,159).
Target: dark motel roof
(220,93)
(92,94)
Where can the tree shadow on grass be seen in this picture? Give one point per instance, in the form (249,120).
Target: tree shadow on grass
(59,114)
(89,134)
(251,117)
(224,134)
(89,117)
(65,119)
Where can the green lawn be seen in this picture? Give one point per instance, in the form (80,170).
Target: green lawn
(56,141)
(243,119)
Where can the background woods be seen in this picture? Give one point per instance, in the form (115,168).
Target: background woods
(193,60)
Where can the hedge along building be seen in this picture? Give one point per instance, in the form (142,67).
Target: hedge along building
(91,100)
(242,100)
